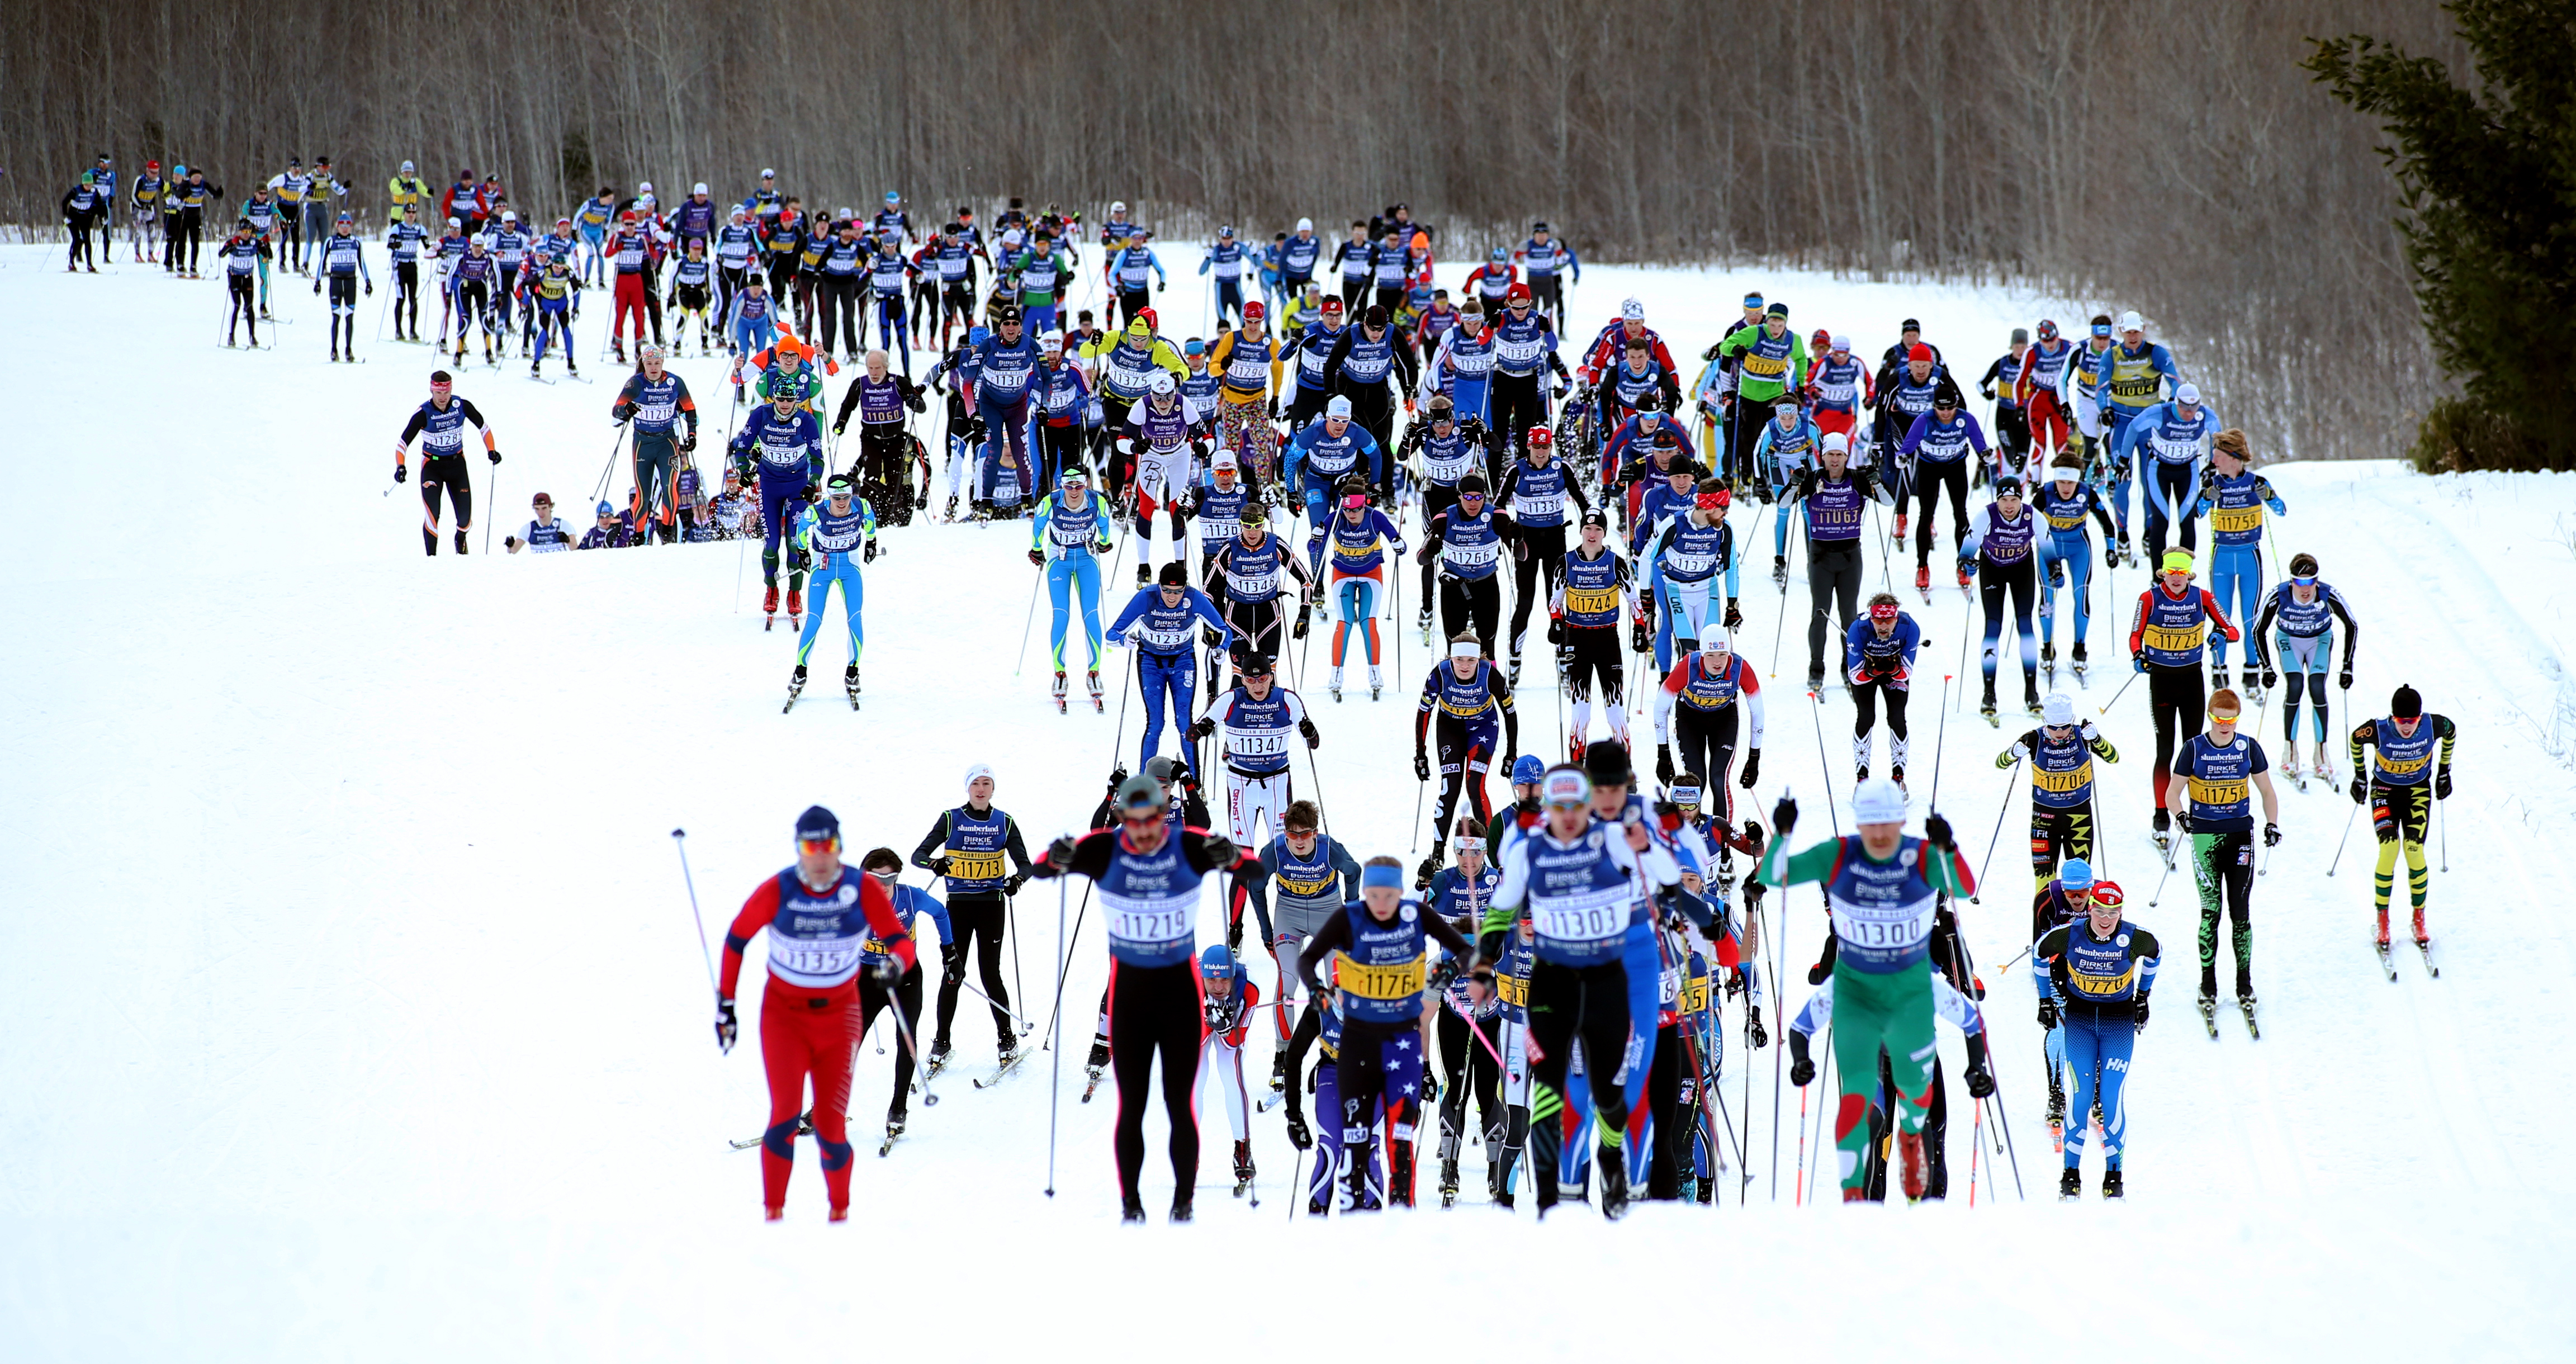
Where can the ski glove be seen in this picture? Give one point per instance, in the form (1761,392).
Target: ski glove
(868,553)
(1199,729)
(1802,1072)
(1421,765)
(2360,790)
(401,474)
(887,971)
(1664,763)
(2138,660)
(955,964)
(812,494)
(2048,1013)
(1981,1082)
(1036,559)
(2142,1013)
(2110,555)
(840,426)
(1058,853)
(1299,631)
(727,1027)
(1299,1135)
(1754,1034)
(1314,737)
(1752,770)
(1012,886)
(1734,615)
(1936,831)
(2343,680)
(1784,817)
(1555,630)
(2271,835)
(493,455)
(2442,784)
(939,865)
(371,288)
(2271,679)
(1639,640)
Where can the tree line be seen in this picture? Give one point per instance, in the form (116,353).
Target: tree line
(2173,159)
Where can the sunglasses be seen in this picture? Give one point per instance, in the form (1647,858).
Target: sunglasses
(818,845)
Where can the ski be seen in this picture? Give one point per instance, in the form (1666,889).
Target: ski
(2209,1015)
(894,1133)
(539,378)
(2245,1005)
(804,1128)
(2387,962)
(2432,965)
(1267,1102)
(999,1071)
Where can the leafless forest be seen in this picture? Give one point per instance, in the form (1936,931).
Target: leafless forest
(2169,157)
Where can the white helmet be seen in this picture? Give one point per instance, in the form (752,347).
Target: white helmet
(1161,385)
(1878,801)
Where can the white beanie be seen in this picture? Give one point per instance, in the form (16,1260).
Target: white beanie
(983,770)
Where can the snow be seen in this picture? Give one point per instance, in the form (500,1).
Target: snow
(349,967)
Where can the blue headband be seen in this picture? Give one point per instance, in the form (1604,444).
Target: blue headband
(1390,877)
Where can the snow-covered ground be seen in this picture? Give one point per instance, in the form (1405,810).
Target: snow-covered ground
(350,1010)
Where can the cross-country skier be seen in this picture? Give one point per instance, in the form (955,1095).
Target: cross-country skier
(1771,367)
(2129,376)
(876,994)
(967,847)
(2169,446)
(785,443)
(819,917)
(1228,1002)
(2220,771)
(1709,683)
(343,265)
(1303,877)
(1882,887)
(2167,636)
(1068,538)
(1161,440)
(2304,611)
(1245,575)
(2067,551)
(1595,594)
(1458,895)
(666,428)
(1472,701)
(2406,777)
(1258,716)
(1999,550)
(2060,753)
(1353,549)
(832,541)
(1683,560)
(1160,621)
(1149,875)
(1468,542)
(1831,497)
(2098,971)
(440,424)
(1934,453)
(2234,498)
(1878,662)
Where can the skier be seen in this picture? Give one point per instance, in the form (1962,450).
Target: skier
(1257,715)
(1461,368)
(2001,385)
(1246,363)
(1062,394)
(750,325)
(1545,258)
(1787,446)
(2060,753)
(1585,887)
(1365,362)
(1838,385)
(544,534)
(555,297)
(1831,498)
(832,541)
(1162,437)
(2039,392)
(877,994)
(2094,988)
(1468,541)
(1951,1007)
(789,446)
(2067,550)
(2304,611)
(880,398)
(242,257)
(1356,570)
(1228,1002)
(1473,701)
(1149,873)
(1302,878)
(344,264)
(1159,620)
(666,428)
(2166,637)
(440,425)
(2179,434)
(403,240)
(2129,377)
(1328,453)
(1684,557)
(819,917)
(1124,269)
(967,846)
(2405,779)
(2234,498)
(1380,949)
(2057,902)
(2000,552)
(1534,491)
(1881,886)
(2214,769)
(1042,270)
(1458,895)
(1595,593)
(1243,575)
(1226,257)
(1523,343)
(1935,455)
(691,293)
(85,205)
(1770,367)
(1709,682)
(1068,538)
(1127,361)
(1878,662)
(145,200)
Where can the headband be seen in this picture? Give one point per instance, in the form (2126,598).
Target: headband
(1392,878)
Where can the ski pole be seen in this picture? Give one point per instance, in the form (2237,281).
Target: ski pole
(1005,1008)
(1126,683)
(903,1029)
(2446,836)
(605,469)
(1028,622)
(1019,986)
(1941,733)
(1055,1084)
(2160,886)
(1418,789)
(2347,837)
(492,505)
(1064,964)
(680,839)
(2115,696)
(2003,1121)
(1976,1148)
(1798,1190)
(1781,616)
(2016,957)
(1999,826)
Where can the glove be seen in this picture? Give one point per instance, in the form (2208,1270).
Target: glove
(371,288)
(887,971)
(2138,660)
(2142,1013)
(840,426)
(1555,630)
(1520,549)
(1314,736)
(1298,631)
(1565,659)
(1199,729)
(1270,408)
(1664,763)
(1755,1036)
(1036,559)
(1981,1082)
(1752,770)
(913,400)
(2271,835)
(1802,1072)
(317,285)
(953,968)
(2360,790)
(2343,679)
(2110,555)
(2182,819)
(2441,784)
(1421,765)
(2048,1013)
(1734,615)
(727,1027)
(812,494)
(494,455)
(1818,973)
(401,474)
(802,560)
(1209,637)
(939,865)
(1060,852)
(868,553)
(1936,831)
(1298,1134)
(1639,640)
(1017,880)
(1220,849)
(1784,817)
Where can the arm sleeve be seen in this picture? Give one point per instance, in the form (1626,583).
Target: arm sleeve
(939,834)
(1336,933)
(755,915)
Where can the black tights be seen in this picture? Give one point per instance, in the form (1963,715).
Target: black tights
(872,1001)
(979,920)
(1155,1010)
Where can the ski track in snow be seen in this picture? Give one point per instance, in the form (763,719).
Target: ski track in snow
(354,1014)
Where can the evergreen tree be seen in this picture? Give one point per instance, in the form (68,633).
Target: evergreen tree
(2486,177)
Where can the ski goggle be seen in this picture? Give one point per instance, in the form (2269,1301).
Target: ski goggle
(2229,718)
(2309,581)
(1299,835)
(827,843)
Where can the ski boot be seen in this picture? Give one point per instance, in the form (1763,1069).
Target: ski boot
(1860,775)
(1913,1163)
(1422,621)
(569,367)
(769,606)
(2127,555)
(533,371)
(1574,750)
(1986,707)
(2030,697)
(1816,678)
(850,684)
(2048,657)
(1132,1211)
(1448,1181)
(1377,684)
(1094,1065)
(2077,659)
(1780,571)
(938,1056)
(2112,1186)
(2217,677)
(1899,537)
(2070,1185)
(1144,575)
(1923,580)
(1006,1048)
(951,515)
(2162,831)
(1279,1069)
(2290,760)
(1334,685)
(795,605)
(1967,577)
(1242,1167)
(1513,674)
(1896,774)
(1098,706)
(2208,1004)
(894,1129)
(1059,693)
(2057,572)
(2422,939)
(2057,1114)
(617,352)
(1612,1162)
(795,684)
